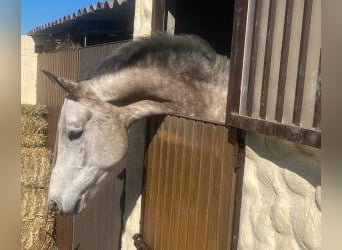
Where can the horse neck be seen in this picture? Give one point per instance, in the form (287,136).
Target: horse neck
(204,99)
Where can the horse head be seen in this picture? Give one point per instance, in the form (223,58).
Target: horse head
(92,139)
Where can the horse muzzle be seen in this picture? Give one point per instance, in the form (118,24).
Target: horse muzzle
(55,208)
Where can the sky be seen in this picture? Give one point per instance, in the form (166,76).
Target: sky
(38,12)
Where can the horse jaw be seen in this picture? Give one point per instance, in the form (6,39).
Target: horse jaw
(82,163)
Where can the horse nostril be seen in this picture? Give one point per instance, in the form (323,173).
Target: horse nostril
(53,207)
(77,206)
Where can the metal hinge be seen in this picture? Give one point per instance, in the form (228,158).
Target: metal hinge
(139,243)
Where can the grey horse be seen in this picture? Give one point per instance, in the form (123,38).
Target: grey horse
(150,76)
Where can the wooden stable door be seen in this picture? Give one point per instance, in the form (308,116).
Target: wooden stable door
(189,185)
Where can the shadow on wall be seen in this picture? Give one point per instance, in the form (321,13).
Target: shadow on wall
(303,160)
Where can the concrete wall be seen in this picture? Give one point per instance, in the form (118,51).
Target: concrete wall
(142,18)
(281,199)
(28,71)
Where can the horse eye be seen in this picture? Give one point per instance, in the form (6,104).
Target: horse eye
(73,135)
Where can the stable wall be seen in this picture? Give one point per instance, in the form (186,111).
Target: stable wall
(142,18)
(281,197)
(28,71)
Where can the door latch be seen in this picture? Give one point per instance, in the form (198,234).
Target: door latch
(139,242)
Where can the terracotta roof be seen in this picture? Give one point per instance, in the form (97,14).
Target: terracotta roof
(107,5)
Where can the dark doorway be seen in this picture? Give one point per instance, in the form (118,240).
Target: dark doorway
(213,21)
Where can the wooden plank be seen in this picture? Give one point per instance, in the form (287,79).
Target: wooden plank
(160,185)
(224,194)
(64,232)
(211,239)
(317,114)
(268,58)
(185,185)
(195,167)
(284,60)
(303,53)
(169,176)
(310,137)
(204,180)
(177,182)
(254,57)
(237,49)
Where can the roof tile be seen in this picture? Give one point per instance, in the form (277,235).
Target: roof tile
(78,13)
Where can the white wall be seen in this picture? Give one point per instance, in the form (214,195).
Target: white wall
(142,18)
(281,199)
(28,71)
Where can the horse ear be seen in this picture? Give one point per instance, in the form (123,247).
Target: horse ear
(142,109)
(71,87)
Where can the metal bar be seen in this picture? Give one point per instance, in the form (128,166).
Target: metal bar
(293,133)
(158,16)
(284,60)
(237,48)
(268,58)
(304,44)
(254,58)
(317,114)
(239,170)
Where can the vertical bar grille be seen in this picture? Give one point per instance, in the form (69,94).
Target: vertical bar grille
(284,60)
(268,55)
(270,65)
(254,57)
(238,49)
(317,114)
(304,44)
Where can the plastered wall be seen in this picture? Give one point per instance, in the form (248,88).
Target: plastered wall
(281,199)
(28,70)
(142,18)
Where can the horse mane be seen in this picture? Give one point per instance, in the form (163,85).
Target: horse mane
(161,50)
